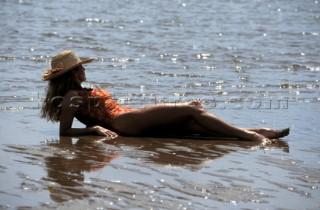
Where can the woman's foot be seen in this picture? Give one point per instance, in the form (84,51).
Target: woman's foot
(253,136)
(271,133)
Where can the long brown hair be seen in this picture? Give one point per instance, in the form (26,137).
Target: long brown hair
(56,90)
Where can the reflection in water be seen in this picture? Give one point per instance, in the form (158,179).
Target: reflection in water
(71,160)
(190,153)
(68,159)
(66,167)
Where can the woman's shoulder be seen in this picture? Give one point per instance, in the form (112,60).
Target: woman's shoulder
(72,93)
(100,92)
(88,93)
(72,99)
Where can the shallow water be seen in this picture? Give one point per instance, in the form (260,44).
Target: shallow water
(253,63)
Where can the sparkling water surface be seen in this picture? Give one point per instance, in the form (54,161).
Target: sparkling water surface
(252,63)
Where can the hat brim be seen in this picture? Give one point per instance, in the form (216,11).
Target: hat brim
(49,75)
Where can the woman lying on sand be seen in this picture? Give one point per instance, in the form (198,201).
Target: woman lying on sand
(66,99)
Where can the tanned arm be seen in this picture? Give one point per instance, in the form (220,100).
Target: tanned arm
(69,107)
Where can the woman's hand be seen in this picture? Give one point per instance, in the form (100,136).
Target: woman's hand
(105,132)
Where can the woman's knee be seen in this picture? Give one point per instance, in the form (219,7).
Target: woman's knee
(196,111)
(199,113)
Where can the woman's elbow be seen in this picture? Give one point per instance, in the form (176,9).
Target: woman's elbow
(64,132)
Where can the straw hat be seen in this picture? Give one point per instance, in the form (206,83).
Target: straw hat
(62,63)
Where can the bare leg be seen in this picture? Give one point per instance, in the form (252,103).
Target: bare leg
(135,122)
(180,129)
(191,128)
(271,133)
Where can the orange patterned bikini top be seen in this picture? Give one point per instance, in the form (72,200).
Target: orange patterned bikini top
(99,105)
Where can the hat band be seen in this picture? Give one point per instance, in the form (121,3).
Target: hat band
(66,63)
(55,70)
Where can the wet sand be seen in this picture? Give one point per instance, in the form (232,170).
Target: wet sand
(90,172)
